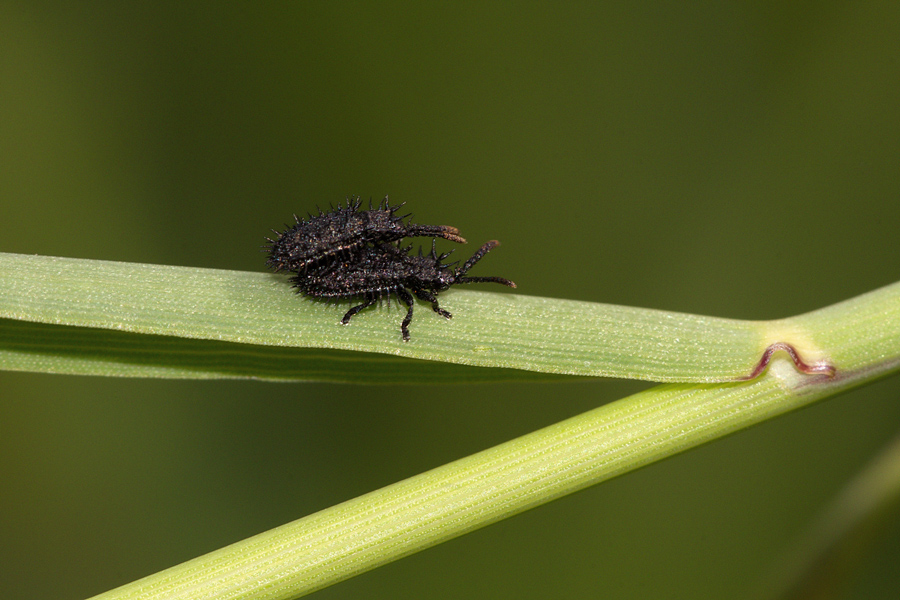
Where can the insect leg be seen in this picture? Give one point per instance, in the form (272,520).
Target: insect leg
(430,297)
(370,300)
(407,299)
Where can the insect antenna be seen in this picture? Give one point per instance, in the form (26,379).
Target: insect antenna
(460,273)
(441,231)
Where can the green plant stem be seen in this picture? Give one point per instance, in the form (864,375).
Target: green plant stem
(823,564)
(409,516)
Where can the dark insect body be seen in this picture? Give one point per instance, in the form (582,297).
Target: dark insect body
(341,234)
(382,270)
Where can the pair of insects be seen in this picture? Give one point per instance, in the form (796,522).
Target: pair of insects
(355,253)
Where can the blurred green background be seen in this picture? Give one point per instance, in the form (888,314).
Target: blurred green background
(737,159)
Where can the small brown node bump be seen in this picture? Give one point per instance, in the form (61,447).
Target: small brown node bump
(819,368)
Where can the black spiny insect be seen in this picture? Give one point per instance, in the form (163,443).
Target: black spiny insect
(342,233)
(380,271)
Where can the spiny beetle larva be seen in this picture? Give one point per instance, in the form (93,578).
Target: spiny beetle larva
(337,235)
(379,271)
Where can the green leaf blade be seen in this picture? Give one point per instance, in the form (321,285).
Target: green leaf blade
(502,331)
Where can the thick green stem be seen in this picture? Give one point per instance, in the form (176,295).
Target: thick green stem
(409,516)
